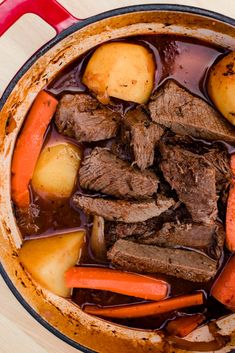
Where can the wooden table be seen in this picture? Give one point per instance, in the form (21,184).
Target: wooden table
(19,332)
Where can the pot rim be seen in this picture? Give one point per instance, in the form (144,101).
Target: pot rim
(40,52)
(111,13)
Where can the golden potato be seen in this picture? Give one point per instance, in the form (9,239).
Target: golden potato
(221,86)
(56,171)
(47,259)
(121,70)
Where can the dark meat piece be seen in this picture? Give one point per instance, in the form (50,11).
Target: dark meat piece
(216,155)
(175,108)
(83,117)
(103,171)
(123,230)
(192,177)
(188,235)
(220,160)
(123,211)
(180,263)
(186,142)
(27,219)
(117,230)
(208,238)
(122,150)
(142,135)
(217,248)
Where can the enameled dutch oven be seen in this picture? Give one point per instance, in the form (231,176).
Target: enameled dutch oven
(73,38)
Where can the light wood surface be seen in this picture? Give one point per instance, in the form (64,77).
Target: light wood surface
(19,332)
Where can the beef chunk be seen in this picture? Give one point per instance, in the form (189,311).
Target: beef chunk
(103,171)
(83,117)
(216,155)
(122,230)
(123,211)
(220,160)
(180,263)
(117,230)
(175,108)
(142,136)
(208,238)
(192,177)
(188,235)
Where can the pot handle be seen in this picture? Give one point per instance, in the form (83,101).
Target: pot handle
(49,10)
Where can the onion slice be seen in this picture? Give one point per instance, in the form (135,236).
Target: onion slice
(219,341)
(97,240)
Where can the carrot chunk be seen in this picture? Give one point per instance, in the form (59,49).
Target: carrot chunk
(232,164)
(28,146)
(147,309)
(127,283)
(230,213)
(224,287)
(182,326)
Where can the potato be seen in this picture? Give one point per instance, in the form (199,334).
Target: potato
(47,259)
(221,86)
(121,70)
(56,171)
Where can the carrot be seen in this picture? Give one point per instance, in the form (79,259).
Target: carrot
(224,287)
(232,164)
(230,213)
(147,309)
(28,146)
(116,281)
(182,326)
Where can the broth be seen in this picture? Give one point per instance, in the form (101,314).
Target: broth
(183,59)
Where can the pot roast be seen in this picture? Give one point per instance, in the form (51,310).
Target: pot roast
(142,182)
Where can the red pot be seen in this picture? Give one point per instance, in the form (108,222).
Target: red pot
(74,37)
